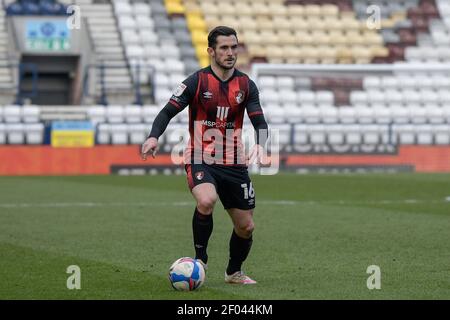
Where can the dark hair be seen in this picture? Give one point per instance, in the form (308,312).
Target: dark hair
(219,31)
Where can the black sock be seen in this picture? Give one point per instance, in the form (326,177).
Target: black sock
(239,249)
(202,226)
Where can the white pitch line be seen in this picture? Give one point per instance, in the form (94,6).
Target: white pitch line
(190,203)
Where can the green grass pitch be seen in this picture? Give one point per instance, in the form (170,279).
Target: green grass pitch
(315,237)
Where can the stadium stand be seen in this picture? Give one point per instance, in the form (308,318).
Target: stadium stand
(328,81)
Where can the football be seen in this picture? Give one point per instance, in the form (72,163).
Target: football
(186,274)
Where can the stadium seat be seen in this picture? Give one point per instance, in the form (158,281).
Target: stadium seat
(132,114)
(353,134)
(364,114)
(103,133)
(149,113)
(328,114)
(30,114)
(405,133)
(12,114)
(34,133)
(382,114)
(2,133)
(301,134)
(441,134)
(424,134)
(96,114)
(15,133)
(119,133)
(137,133)
(371,134)
(311,114)
(317,134)
(347,115)
(115,114)
(274,114)
(336,134)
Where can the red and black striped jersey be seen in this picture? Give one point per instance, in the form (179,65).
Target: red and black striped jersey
(216,114)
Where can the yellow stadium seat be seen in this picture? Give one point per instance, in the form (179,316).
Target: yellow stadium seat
(329,10)
(350,24)
(320,37)
(201,52)
(244,9)
(269,37)
(310,55)
(227,8)
(209,8)
(337,38)
(327,54)
(275,52)
(175,8)
(388,23)
(204,62)
(248,23)
(199,37)
(344,55)
(260,9)
(379,52)
(252,37)
(303,37)
(361,54)
(299,23)
(296,11)
(333,23)
(265,23)
(211,22)
(286,37)
(354,38)
(282,23)
(277,9)
(292,53)
(257,51)
(373,38)
(347,14)
(316,23)
(230,21)
(312,10)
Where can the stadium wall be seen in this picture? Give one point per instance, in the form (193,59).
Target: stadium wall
(103,160)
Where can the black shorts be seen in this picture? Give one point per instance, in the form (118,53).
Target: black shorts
(233,184)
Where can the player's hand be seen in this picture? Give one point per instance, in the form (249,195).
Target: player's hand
(149,146)
(258,156)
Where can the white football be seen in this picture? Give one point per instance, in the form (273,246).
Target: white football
(186,274)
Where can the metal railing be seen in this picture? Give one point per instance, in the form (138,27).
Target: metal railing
(22,69)
(98,71)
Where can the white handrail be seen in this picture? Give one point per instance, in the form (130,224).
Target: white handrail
(293,69)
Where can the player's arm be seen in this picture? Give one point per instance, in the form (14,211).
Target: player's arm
(179,100)
(256,115)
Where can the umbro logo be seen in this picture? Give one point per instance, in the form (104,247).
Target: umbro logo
(207,95)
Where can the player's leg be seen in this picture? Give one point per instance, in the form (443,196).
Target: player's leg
(204,191)
(240,244)
(238,198)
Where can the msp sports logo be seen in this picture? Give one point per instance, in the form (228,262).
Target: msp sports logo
(239,96)
(199,175)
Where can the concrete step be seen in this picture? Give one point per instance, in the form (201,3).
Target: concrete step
(108,50)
